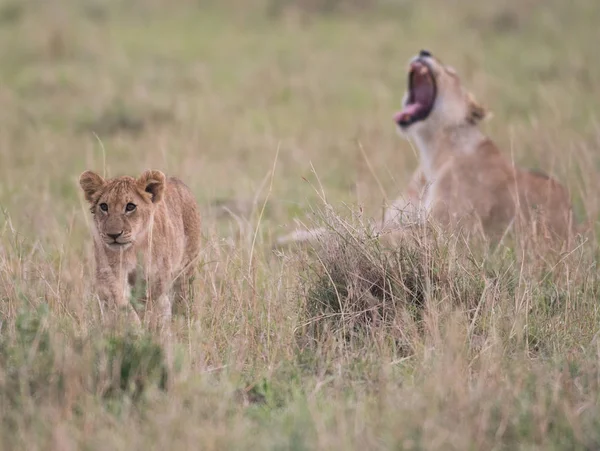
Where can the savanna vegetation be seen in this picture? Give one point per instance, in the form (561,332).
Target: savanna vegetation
(277,111)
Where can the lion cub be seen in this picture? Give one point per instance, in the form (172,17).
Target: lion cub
(151,223)
(463,179)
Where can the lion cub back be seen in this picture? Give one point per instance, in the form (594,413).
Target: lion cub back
(183,213)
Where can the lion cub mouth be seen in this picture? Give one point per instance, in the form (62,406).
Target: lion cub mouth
(421,95)
(118,245)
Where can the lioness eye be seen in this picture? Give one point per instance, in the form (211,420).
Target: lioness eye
(130,207)
(103,207)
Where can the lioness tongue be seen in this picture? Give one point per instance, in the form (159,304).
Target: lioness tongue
(408,111)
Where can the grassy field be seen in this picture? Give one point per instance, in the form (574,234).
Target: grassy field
(263,108)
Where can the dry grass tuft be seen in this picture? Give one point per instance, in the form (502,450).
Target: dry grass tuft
(419,341)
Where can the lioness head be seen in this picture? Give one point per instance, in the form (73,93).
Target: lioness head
(123,206)
(435,97)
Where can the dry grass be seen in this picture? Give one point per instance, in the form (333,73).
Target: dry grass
(357,345)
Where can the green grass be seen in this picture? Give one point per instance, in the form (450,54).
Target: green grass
(360,345)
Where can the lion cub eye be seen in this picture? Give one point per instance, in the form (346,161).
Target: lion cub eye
(130,207)
(103,207)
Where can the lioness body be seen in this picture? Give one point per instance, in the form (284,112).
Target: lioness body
(148,227)
(481,189)
(463,178)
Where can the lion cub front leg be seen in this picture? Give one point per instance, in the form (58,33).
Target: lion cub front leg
(114,291)
(159,304)
(183,291)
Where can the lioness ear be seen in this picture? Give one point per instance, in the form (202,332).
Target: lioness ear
(475,112)
(153,182)
(90,183)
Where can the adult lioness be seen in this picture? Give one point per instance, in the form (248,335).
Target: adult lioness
(151,222)
(463,178)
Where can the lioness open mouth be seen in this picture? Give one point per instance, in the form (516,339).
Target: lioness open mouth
(421,95)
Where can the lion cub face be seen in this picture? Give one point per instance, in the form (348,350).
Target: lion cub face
(123,206)
(435,98)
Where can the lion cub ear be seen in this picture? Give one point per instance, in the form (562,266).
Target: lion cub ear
(90,183)
(475,112)
(153,182)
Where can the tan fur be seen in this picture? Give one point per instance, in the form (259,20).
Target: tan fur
(161,236)
(463,178)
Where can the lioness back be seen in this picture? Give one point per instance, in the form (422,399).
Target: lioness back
(548,201)
(483,186)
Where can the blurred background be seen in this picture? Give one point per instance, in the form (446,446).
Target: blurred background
(212,91)
(290,101)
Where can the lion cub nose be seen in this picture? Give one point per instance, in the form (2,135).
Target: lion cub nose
(114,236)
